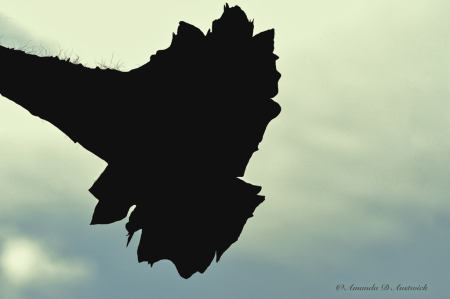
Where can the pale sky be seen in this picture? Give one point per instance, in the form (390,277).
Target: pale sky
(355,169)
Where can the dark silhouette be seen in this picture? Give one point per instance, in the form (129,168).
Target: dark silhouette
(176,133)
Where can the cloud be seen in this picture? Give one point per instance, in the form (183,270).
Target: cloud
(30,268)
(28,263)
(358,158)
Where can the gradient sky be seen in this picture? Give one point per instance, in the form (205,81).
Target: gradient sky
(355,169)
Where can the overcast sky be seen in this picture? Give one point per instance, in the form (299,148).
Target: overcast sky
(355,169)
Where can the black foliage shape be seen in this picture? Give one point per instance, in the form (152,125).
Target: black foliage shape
(176,133)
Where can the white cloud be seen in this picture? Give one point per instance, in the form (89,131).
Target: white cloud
(29,263)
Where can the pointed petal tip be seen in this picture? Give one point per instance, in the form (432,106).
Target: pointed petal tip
(218,256)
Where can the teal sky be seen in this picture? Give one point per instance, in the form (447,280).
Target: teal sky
(355,169)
